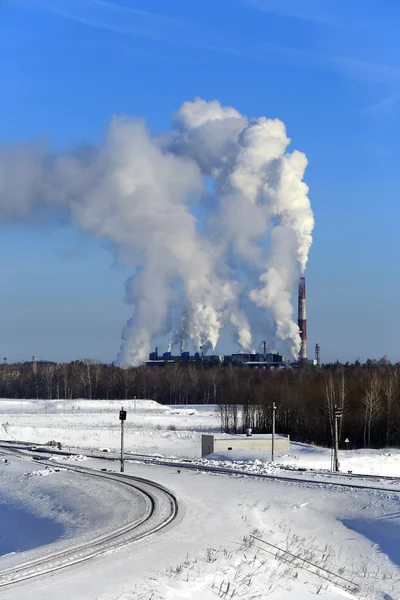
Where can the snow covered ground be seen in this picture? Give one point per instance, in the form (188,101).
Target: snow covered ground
(152,428)
(384,462)
(349,538)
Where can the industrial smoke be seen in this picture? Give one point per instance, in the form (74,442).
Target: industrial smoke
(213,217)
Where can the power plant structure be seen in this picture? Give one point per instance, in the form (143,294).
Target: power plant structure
(302,319)
(318,355)
(254,360)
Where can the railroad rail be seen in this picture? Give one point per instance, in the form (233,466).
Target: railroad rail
(161,508)
(312,477)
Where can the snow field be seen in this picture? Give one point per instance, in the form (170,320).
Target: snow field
(210,553)
(174,431)
(150,427)
(215,555)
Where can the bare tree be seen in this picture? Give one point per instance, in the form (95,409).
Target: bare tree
(96,369)
(223,410)
(128,377)
(214,385)
(390,394)
(335,397)
(47,372)
(342,394)
(194,382)
(87,377)
(371,403)
(330,402)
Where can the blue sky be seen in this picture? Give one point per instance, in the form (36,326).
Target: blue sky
(329,69)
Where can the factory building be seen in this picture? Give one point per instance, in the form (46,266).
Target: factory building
(257,360)
(251,361)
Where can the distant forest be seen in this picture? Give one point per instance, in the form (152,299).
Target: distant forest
(305,397)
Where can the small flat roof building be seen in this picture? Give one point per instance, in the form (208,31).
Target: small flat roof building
(225,442)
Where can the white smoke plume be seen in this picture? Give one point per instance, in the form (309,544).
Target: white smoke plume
(259,189)
(213,217)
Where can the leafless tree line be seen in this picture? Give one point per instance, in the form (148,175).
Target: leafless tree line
(306,398)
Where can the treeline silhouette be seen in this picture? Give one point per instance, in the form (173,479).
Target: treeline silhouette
(369,394)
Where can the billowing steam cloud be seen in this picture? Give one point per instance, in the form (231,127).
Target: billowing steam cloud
(213,217)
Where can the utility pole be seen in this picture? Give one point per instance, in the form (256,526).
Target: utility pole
(122,418)
(338,414)
(265,350)
(273,431)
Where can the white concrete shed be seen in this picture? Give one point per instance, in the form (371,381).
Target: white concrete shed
(225,442)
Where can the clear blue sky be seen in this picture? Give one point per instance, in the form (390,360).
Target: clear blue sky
(329,69)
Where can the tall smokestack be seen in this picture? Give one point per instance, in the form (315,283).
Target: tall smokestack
(302,322)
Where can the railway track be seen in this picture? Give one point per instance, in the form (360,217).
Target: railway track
(320,473)
(188,463)
(344,480)
(52,450)
(161,508)
(339,479)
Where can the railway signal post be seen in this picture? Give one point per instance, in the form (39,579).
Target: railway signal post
(122,418)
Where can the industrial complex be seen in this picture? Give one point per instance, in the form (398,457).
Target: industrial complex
(254,360)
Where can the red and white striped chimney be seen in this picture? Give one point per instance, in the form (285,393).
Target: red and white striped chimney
(302,319)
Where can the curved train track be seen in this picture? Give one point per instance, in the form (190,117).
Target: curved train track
(161,508)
